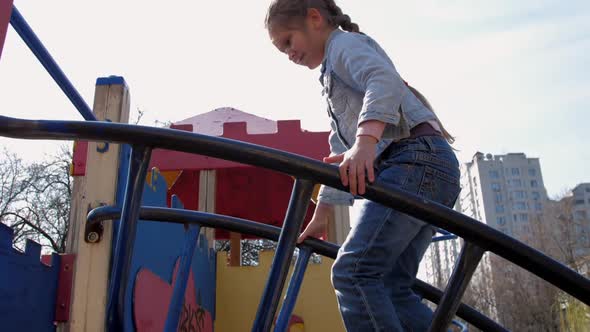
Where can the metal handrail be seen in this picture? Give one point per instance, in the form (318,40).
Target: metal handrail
(248,227)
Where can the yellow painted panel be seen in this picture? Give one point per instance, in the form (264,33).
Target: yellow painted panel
(239,290)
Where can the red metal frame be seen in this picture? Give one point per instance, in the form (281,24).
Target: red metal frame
(64,288)
(5,11)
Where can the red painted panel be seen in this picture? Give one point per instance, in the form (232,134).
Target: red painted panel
(79,158)
(187,189)
(151,297)
(5,10)
(289,137)
(254,194)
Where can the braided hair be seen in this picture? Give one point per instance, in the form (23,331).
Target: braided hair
(286,12)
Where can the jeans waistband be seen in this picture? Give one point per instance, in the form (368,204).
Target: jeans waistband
(423,129)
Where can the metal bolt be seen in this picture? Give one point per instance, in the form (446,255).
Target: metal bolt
(93,237)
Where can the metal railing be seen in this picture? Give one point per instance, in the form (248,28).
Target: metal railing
(478,236)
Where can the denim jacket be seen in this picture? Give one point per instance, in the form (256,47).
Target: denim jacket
(361,83)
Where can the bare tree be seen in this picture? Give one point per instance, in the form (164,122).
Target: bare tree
(35,198)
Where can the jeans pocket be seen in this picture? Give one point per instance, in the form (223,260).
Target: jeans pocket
(439,186)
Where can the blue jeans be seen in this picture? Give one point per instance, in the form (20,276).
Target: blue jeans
(377,264)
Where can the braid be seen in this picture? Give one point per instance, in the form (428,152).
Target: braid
(288,11)
(340,19)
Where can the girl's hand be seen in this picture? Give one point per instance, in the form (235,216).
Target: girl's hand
(355,162)
(317,226)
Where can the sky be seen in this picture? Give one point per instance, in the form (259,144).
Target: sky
(503,76)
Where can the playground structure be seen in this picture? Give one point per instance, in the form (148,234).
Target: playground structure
(119,189)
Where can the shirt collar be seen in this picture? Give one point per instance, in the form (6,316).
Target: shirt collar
(331,37)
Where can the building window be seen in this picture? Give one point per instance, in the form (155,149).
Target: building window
(579,202)
(588,190)
(532,172)
(498,197)
(496,186)
(516,183)
(524,217)
(526,229)
(499,208)
(536,195)
(520,206)
(515,217)
(501,220)
(515,171)
(581,215)
(534,183)
(519,194)
(538,206)
(494,174)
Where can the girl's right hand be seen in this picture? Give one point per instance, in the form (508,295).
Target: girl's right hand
(318,223)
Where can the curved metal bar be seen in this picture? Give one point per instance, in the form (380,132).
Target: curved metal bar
(300,167)
(232,224)
(21,26)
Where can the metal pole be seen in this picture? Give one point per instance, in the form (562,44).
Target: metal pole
(468,261)
(138,165)
(21,26)
(280,266)
(293,289)
(175,307)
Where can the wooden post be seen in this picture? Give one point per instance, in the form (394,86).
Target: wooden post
(235,249)
(5,11)
(339,225)
(207,191)
(98,186)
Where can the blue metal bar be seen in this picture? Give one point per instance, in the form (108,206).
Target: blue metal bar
(293,289)
(138,165)
(296,212)
(175,307)
(30,38)
(444,237)
(462,273)
(443,232)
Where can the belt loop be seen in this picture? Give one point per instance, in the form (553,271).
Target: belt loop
(428,141)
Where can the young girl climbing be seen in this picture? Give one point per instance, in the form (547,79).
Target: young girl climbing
(382,130)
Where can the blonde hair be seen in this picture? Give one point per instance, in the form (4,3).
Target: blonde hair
(287,12)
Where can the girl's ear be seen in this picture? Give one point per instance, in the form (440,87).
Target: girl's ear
(315,18)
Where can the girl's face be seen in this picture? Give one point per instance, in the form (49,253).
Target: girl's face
(304,43)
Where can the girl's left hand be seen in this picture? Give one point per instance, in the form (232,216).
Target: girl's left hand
(355,162)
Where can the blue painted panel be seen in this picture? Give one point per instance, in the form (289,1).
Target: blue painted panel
(28,288)
(158,247)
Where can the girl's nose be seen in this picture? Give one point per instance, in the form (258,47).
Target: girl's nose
(291,54)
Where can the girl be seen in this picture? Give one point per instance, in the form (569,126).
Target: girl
(380,129)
